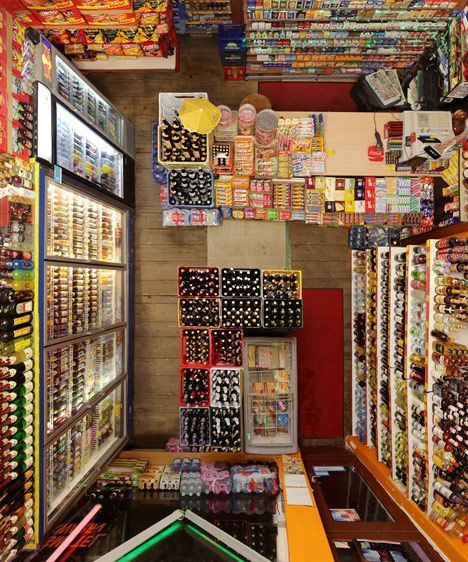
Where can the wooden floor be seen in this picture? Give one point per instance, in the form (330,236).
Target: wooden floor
(321,253)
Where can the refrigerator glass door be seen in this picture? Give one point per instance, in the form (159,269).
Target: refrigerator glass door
(82,151)
(88,102)
(270,388)
(87,442)
(82,299)
(78,371)
(82,228)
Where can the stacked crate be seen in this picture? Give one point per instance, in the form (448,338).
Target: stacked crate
(232,51)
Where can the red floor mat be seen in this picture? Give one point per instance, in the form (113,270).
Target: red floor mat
(309,96)
(320,364)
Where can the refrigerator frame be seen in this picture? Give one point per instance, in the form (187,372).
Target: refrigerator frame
(44,175)
(128,163)
(49,77)
(271,449)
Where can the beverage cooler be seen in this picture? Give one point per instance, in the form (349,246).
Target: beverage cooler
(270,395)
(86,195)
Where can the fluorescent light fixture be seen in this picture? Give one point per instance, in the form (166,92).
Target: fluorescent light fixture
(44,123)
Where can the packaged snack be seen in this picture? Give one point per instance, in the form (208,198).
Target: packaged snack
(131,50)
(216,478)
(255,478)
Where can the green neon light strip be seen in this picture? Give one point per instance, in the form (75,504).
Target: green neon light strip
(133,554)
(214,543)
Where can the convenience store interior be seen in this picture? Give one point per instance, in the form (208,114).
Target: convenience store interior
(271,365)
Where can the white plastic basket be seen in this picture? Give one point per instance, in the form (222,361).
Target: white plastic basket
(170,102)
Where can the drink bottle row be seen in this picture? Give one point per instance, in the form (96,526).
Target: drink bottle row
(240,298)
(17,361)
(410,371)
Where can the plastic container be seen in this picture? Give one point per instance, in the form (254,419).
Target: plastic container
(184,163)
(189,272)
(185,375)
(225,387)
(197,417)
(209,204)
(247,116)
(217,353)
(204,336)
(266,126)
(170,102)
(226,116)
(234,73)
(210,306)
(265,286)
(231,37)
(249,290)
(233,58)
(295,321)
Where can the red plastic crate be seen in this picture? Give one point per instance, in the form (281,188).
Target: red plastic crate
(183,345)
(215,355)
(234,72)
(194,270)
(184,372)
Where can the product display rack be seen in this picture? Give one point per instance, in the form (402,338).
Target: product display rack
(337,39)
(383,388)
(371,347)
(427,360)
(451,50)
(415,359)
(446,381)
(399,428)
(84,338)
(205,16)
(358,313)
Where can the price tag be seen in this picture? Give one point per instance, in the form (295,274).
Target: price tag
(57,174)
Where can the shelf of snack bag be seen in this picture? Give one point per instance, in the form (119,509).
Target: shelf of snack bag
(107,32)
(339,39)
(446,384)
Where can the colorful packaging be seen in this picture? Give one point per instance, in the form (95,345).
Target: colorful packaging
(216,478)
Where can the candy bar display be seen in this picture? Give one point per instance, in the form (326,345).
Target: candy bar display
(225,388)
(190,188)
(198,281)
(415,367)
(226,347)
(398,391)
(180,146)
(359,394)
(81,151)
(270,400)
(195,347)
(240,282)
(194,426)
(371,347)
(199,312)
(122,473)
(447,361)
(282,313)
(195,387)
(241,313)
(383,389)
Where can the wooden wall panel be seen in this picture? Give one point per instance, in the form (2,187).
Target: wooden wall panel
(158,251)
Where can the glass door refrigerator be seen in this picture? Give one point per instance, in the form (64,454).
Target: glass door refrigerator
(270,395)
(85,219)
